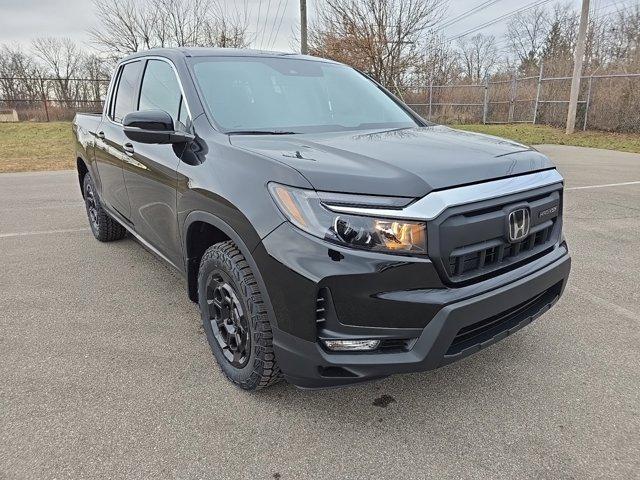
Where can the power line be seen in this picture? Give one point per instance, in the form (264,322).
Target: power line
(273,25)
(498,19)
(505,43)
(264,27)
(468,13)
(618,6)
(258,19)
(286,4)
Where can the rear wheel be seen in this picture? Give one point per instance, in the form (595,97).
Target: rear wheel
(235,318)
(104,228)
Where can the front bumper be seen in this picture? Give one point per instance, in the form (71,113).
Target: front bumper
(371,296)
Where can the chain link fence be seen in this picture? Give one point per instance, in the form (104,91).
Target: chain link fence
(49,99)
(606,102)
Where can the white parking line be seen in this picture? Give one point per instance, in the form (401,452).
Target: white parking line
(42,232)
(604,185)
(42,207)
(603,302)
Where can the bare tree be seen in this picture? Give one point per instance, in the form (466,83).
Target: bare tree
(62,60)
(20,76)
(560,40)
(229,28)
(624,46)
(380,37)
(185,20)
(95,75)
(479,55)
(439,63)
(124,28)
(129,26)
(526,34)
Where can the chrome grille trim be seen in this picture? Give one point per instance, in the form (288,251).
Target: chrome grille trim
(433,204)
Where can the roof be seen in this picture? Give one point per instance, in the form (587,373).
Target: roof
(221,52)
(233,52)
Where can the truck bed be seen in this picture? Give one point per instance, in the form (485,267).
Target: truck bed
(85,127)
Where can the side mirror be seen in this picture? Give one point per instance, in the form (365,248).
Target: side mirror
(153,126)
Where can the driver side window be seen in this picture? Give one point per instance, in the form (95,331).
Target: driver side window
(160,91)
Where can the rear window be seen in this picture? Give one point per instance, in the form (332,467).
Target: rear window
(126,91)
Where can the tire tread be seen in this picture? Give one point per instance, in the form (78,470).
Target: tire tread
(109,229)
(266,371)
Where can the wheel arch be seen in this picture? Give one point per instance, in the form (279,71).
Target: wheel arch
(203,229)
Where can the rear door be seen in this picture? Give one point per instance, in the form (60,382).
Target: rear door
(150,170)
(109,153)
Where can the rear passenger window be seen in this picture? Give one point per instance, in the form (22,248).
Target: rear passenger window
(160,91)
(125,96)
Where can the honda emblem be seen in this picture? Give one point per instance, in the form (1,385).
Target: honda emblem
(519,224)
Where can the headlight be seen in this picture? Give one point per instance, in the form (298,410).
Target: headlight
(305,210)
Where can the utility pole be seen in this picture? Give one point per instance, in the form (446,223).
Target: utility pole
(577,67)
(303,27)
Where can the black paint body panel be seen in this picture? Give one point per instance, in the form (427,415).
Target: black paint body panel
(161,193)
(406,162)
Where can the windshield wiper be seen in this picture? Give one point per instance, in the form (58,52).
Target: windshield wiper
(261,132)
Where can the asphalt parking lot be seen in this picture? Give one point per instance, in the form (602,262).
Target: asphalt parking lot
(105,371)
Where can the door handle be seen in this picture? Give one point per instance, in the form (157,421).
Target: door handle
(100,135)
(128,149)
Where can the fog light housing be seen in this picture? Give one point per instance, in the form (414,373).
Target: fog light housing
(351,345)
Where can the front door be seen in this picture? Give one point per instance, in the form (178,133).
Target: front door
(150,171)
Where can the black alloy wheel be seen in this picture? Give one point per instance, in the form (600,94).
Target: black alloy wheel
(228,320)
(92,210)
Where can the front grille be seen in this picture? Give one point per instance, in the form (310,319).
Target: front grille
(469,242)
(488,254)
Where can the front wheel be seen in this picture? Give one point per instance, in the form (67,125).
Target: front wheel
(235,318)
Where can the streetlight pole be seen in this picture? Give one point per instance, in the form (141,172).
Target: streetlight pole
(577,67)
(304,49)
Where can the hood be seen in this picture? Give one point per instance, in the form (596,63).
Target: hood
(408,162)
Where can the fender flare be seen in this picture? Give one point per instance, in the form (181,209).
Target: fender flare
(206,217)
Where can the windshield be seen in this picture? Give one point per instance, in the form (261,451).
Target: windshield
(285,95)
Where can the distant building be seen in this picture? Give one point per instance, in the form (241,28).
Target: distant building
(8,115)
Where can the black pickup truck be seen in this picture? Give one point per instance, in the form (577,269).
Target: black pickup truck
(328,233)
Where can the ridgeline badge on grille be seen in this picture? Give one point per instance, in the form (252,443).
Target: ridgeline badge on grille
(519,223)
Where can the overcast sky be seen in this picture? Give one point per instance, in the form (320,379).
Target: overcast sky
(23,20)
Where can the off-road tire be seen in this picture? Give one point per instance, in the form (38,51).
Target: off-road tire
(103,227)
(261,369)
